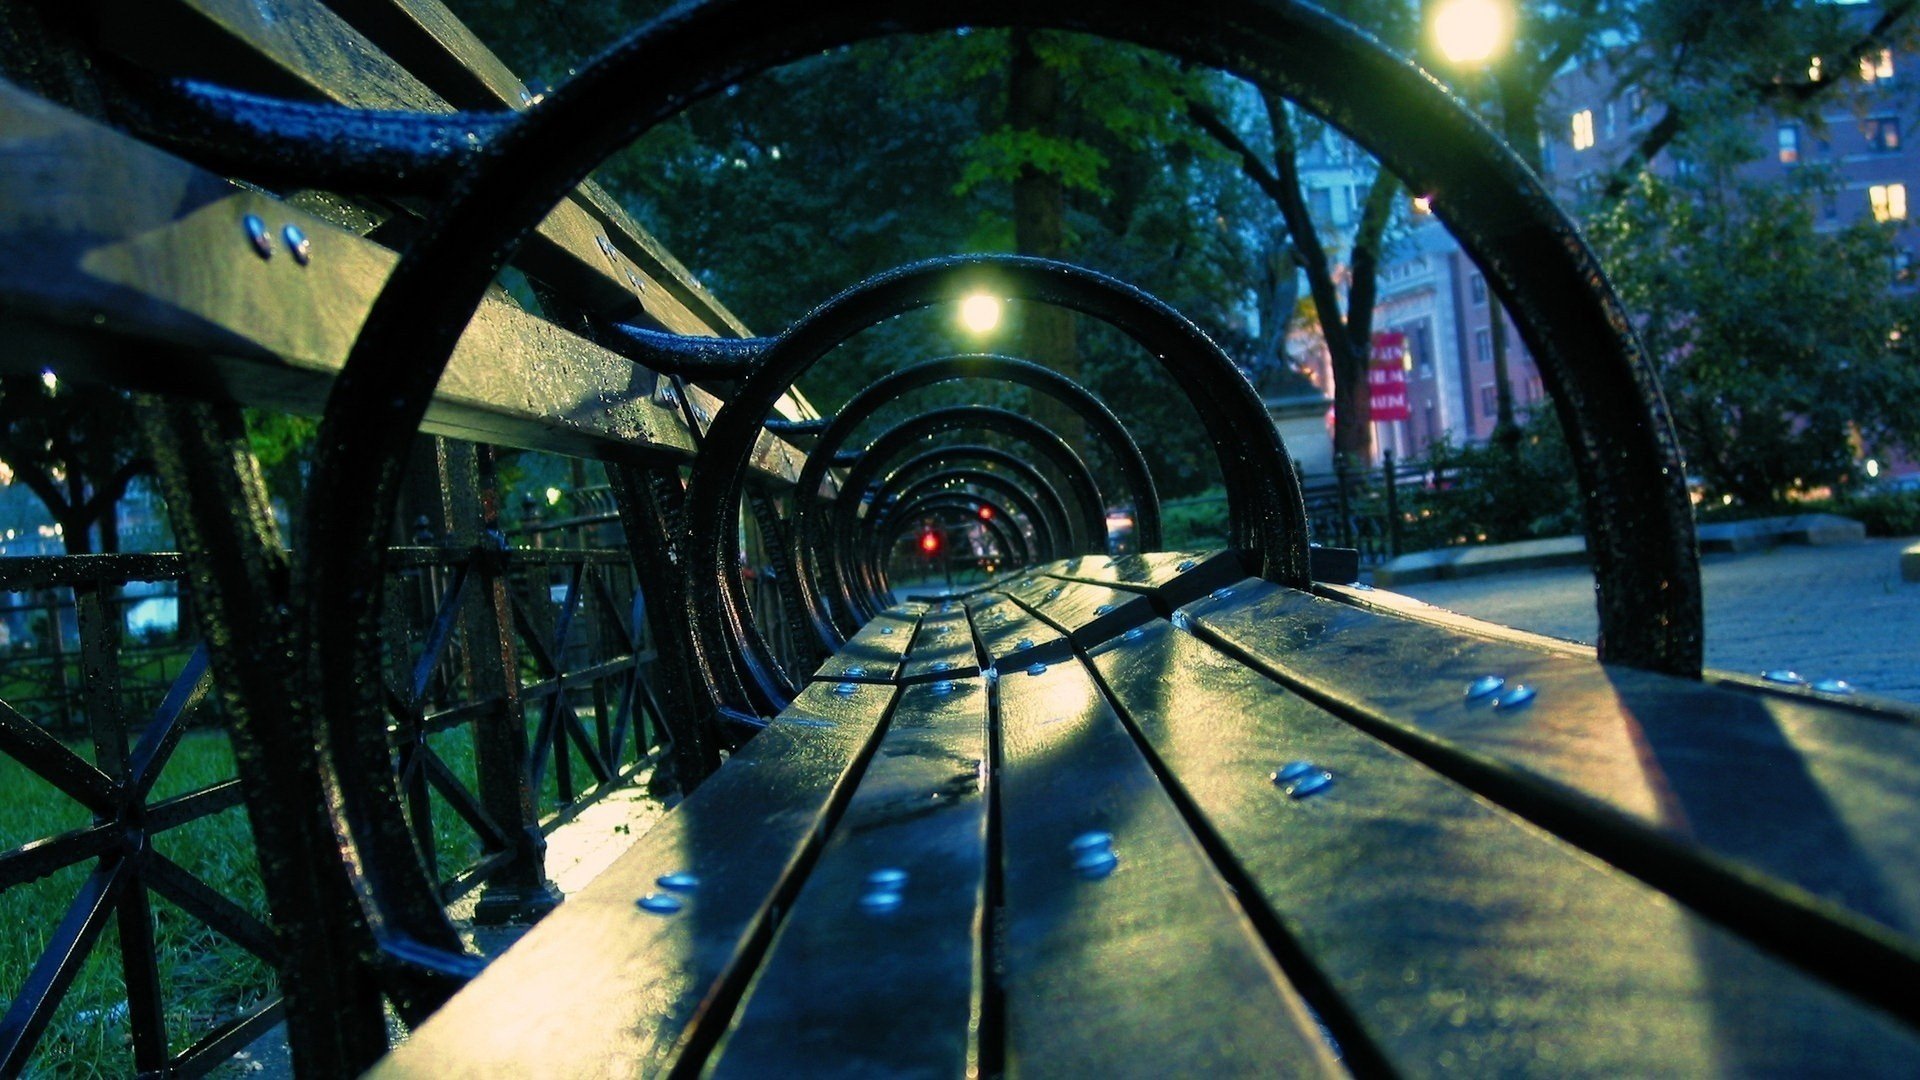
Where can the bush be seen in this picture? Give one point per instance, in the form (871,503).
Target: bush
(1196,522)
(1884,513)
(1492,493)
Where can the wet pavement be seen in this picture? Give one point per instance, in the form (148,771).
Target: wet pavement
(1839,611)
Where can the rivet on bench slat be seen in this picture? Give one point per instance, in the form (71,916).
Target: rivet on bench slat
(297,243)
(660,903)
(1300,779)
(678,881)
(1514,698)
(1784,676)
(1093,856)
(257,235)
(1484,685)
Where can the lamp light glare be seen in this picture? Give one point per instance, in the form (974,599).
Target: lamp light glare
(980,312)
(1873,467)
(553,496)
(1471,31)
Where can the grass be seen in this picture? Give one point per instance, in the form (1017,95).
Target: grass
(206,979)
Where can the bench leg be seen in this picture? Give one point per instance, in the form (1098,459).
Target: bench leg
(239,576)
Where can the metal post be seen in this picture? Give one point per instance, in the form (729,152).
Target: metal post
(1344,528)
(1393,508)
(518,890)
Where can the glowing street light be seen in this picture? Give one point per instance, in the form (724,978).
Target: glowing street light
(1471,31)
(980,312)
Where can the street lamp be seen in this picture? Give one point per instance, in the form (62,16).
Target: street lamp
(1471,31)
(980,312)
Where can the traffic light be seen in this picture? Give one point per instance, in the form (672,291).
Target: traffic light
(930,542)
(986,513)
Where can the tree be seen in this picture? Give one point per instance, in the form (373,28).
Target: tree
(1781,347)
(77,448)
(1346,323)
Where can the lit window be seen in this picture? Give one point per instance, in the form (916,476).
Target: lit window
(1877,68)
(1789,139)
(1889,202)
(1883,133)
(1583,129)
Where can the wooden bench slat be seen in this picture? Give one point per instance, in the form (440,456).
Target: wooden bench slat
(875,653)
(1010,636)
(304,49)
(1171,577)
(431,43)
(1687,758)
(603,988)
(1455,934)
(1151,970)
(113,247)
(1089,614)
(942,648)
(851,985)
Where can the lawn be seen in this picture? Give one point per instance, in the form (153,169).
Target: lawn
(206,979)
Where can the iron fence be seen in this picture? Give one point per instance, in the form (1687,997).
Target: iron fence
(122,842)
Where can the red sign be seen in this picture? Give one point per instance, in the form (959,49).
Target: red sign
(1387,377)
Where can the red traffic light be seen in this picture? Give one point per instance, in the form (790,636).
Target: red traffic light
(986,513)
(930,542)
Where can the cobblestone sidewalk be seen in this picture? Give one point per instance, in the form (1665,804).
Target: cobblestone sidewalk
(1838,611)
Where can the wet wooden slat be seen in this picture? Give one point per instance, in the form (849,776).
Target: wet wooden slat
(1150,970)
(603,988)
(1784,818)
(1089,614)
(857,984)
(1171,577)
(1010,636)
(1452,935)
(131,267)
(874,653)
(942,648)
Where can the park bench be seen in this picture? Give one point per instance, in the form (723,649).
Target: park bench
(1162,813)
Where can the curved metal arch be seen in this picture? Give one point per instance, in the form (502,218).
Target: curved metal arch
(1099,418)
(966,502)
(1639,524)
(1266,513)
(892,494)
(837,617)
(1041,490)
(868,560)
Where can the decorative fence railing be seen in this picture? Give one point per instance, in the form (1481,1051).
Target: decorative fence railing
(128,878)
(1370,510)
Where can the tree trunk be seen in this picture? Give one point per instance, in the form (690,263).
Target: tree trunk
(1046,333)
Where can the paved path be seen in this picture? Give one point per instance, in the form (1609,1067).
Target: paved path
(1827,611)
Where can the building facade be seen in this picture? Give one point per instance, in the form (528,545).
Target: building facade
(1856,160)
